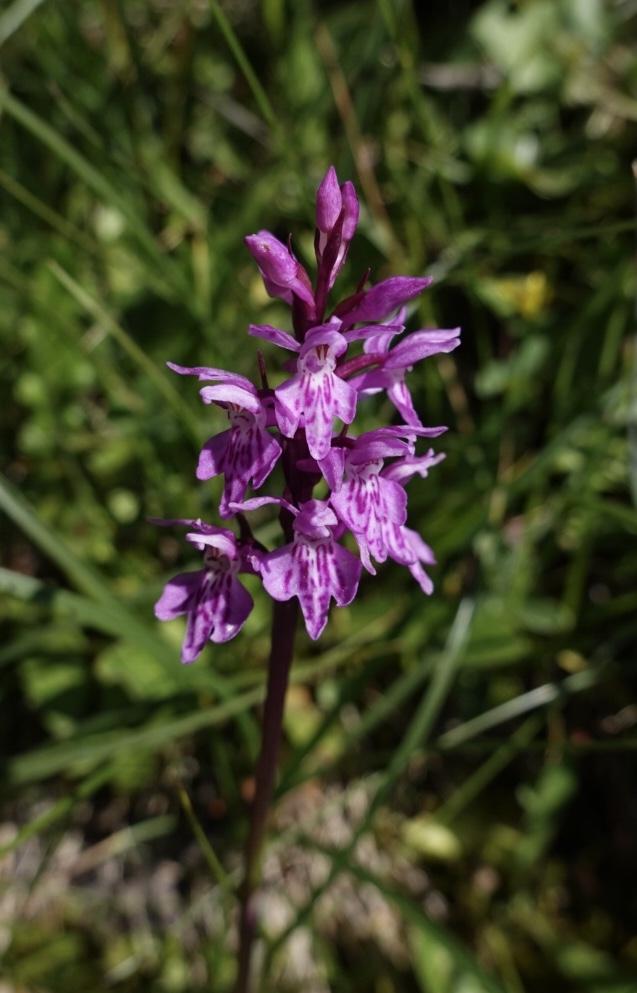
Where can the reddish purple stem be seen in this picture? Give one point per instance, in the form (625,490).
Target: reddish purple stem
(284,618)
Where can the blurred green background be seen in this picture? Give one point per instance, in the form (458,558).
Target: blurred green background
(460,769)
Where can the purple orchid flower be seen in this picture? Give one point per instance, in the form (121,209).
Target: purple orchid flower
(399,361)
(283,275)
(298,425)
(314,567)
(381,300)
(316,395)
(215,602)
(370,501)
(246,453)
(337,213)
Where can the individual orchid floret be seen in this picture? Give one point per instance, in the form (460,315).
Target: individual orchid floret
(315,396)
(213,599)
(366,501)
(381,300)
(371,500)
(246,453)
(400,360)
(283,275)
(337,213)
(313,567)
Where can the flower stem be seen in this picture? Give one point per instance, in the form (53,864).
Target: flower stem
(284,617)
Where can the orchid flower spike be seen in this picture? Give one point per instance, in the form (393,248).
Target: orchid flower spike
(336,355)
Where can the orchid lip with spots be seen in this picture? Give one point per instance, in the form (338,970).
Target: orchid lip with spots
(340,355)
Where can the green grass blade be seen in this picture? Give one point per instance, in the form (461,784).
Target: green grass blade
(155,375)
(83,576)
(45,212)
(15,16)
(541,696)
(244,64)
(416,735)
(97,182)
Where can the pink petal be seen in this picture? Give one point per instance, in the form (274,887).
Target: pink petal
(200,622)
(325,334)
(421,345)
(328,201)
(232,609)
(231,393)
(212,455)
(255,503)
(274,335)
(333,467)
(289,405)
(386,297)
(345,397)
(400,396)
(177,595)
(270,451)
(346,574)
(204,372)
(278,572)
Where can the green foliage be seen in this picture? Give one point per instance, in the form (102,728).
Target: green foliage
(457,771)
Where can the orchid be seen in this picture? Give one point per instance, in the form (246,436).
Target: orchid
(246,453)
(336,361)
(212,598)
(336,357)
(314,567)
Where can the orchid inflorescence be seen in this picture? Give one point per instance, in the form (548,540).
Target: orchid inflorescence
(295,425)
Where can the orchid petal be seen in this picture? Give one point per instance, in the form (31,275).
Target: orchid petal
(421,345)
(177,595)
(329,201)
(204,372)
(231,393)
(386,297)
(274,335)
(211,456)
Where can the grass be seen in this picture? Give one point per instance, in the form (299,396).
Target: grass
(455,810)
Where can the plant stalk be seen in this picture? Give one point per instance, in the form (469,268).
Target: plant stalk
(284,618)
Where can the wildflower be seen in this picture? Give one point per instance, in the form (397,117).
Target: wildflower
(394,365)
(336,357)
(246,453)
(381,300)
(314,567)
(336,221)
(213,599)
(371,501)
(316,395)
(283,275)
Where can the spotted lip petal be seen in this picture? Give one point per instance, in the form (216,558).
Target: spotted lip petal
(246,453)
(313,568)
(367,504)
(213,599)
(316,395)
(217,613)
